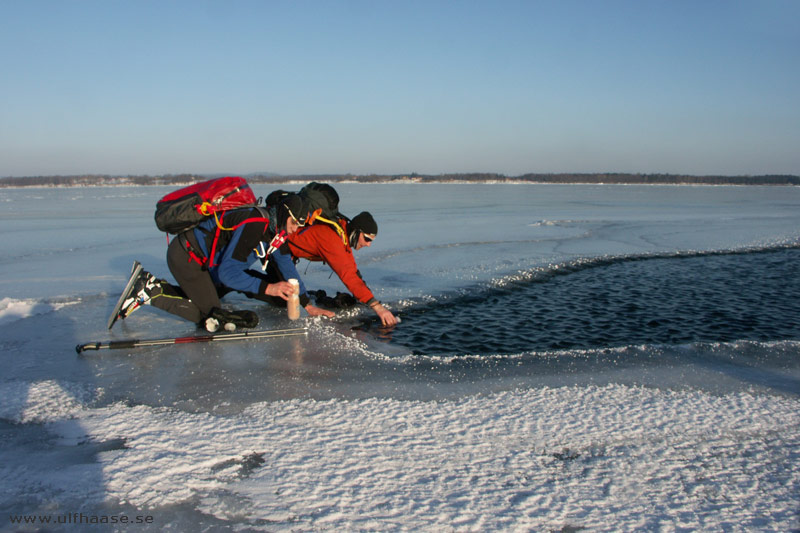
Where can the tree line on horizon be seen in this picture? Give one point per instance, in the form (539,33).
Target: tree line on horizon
(487,177)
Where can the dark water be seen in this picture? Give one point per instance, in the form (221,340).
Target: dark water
(617,302)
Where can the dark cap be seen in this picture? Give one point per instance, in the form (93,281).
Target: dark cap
(297,208)
(364,223)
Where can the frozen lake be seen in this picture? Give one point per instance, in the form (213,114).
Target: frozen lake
(570,356)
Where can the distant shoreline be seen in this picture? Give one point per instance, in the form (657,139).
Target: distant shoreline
(94,180)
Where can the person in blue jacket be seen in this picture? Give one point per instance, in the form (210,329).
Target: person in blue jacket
(217,257)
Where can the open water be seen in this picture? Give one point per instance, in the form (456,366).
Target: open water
(612,302)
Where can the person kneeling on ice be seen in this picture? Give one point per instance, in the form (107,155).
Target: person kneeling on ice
(322,242)
(208,263)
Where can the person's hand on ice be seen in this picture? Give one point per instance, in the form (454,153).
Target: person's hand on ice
(313,310)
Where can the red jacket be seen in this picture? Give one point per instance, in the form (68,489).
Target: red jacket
(320,242)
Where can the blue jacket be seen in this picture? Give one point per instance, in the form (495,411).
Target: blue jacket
(235,252)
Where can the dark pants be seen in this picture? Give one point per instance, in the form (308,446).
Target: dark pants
(196,294)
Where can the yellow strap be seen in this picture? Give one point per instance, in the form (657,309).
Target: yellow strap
(204,208)
(219,224)
(336,226)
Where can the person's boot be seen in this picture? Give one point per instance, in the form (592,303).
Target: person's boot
(145,288)
(230,320)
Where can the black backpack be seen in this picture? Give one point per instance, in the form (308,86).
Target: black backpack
(323,198)
(323,202)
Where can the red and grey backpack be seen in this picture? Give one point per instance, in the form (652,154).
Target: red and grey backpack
(185,208)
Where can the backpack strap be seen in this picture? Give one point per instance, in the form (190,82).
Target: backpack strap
(317,215)
(276,242)
(219,228)
(216,240)
(186,239)
(263,218)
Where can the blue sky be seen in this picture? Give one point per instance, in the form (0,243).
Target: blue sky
(155,87)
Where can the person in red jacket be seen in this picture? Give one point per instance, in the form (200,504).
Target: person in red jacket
(321,242)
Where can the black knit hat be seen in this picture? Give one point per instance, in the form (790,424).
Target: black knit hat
(364,223)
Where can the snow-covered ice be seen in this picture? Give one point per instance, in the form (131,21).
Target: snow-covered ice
(343,431)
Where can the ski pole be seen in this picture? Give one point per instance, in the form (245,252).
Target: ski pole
(136,343)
